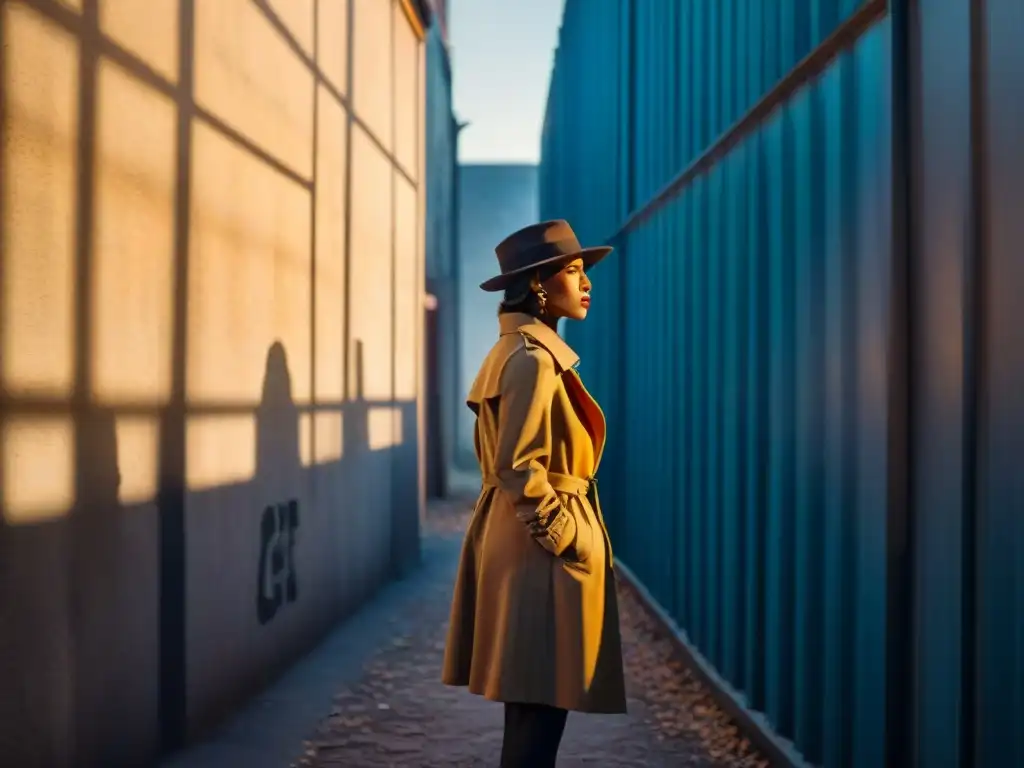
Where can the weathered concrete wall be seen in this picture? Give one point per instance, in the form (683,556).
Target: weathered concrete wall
(210,334)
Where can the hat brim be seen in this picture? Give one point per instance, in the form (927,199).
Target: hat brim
(590,257)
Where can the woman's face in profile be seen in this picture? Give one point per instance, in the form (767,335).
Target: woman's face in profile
(568,292)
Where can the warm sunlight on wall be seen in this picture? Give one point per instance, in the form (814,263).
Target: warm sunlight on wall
(38,461)
(133,238)
(306,439)
(148,29)
(385,427)
(184,281)
(331,177)
(328,436)
(249,279)
(248,76)
(408,311)
(220,449)
(332,42)
(251,243)
(40,93)
(138,445)
(372,66)
(407,84)
(297,17)
(370,264)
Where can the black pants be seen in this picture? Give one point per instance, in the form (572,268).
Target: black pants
(532,735)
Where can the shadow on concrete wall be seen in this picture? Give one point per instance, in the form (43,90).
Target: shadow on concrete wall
(94,607)
(131,622)
(279,467)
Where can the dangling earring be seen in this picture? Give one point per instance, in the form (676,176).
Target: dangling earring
(542,300)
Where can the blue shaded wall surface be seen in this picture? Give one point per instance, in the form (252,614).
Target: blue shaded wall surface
(809,350)
(441,235)
(494,200)
(441,143)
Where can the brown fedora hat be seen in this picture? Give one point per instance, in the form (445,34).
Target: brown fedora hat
(536,245)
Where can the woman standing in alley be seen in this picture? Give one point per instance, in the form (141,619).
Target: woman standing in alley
(534,619)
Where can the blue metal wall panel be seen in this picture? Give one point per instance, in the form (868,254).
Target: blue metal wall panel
(756,405)
(441,147)
(940,424)
(873,330)
(711,364)
(810,121)
(998,503)
(732,389)
(778,528)
(697,417)
(742,349)
(837,88)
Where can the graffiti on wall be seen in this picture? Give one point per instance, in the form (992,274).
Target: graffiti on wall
(277,582)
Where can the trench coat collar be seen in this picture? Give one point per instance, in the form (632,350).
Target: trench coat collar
(520,322)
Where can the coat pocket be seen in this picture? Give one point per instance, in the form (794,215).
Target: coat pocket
(583,546)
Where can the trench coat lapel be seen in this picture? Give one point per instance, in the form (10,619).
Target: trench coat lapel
(593,415)
(567,360)
(519,322)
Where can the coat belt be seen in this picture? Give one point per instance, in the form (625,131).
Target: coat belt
(577,486)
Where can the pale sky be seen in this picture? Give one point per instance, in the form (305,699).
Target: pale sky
(501,62)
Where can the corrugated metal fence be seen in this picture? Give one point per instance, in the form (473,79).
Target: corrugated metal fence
(808,350)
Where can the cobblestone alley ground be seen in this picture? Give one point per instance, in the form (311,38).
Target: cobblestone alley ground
(397,713)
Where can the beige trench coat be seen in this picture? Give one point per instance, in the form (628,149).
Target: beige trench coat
(534,615)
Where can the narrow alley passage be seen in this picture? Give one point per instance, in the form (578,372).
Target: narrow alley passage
(396,713)
(370,695)
(242,250)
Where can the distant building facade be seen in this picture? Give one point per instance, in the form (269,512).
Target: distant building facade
(494,200)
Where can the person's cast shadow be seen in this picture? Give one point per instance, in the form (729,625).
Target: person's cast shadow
(279,473)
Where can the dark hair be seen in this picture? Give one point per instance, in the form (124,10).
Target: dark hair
(519,295)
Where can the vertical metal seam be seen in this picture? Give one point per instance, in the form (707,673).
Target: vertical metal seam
(741,66)
(762,429)
(975,334)
(849,82)
(914,99)
(818,354)
(900,514)
(623,263)
(672,369)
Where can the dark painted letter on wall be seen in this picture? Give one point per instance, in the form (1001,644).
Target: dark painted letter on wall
(276,581)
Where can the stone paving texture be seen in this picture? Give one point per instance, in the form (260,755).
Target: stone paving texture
(395,712)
